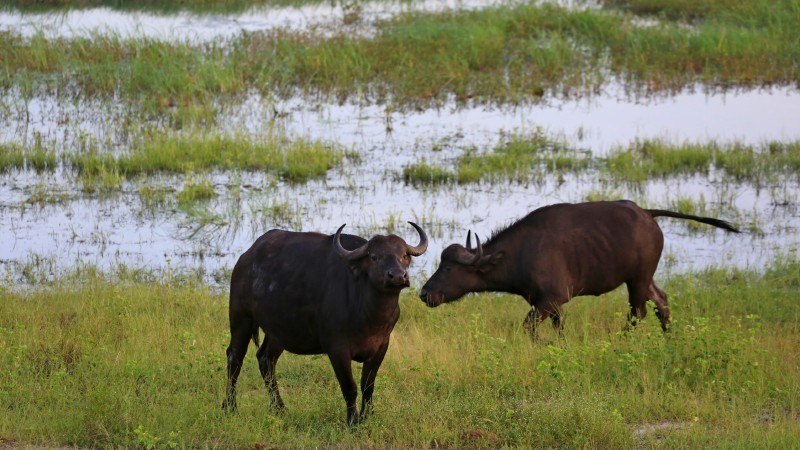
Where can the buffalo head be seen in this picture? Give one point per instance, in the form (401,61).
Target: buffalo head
(461,270)
(384,259)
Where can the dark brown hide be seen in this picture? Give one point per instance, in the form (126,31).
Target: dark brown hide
(562,251)
(318,294)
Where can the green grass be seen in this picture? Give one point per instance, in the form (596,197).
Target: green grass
(41,193)
(424,173)
(497,55)
(699,9)
(519,158)
(646,159)
(196,188)
(294,160)
(34,157)
(102,180)
(523,158)
(134,359)
(165,6)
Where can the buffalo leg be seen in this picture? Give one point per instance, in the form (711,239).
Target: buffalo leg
(268,355)
(342,366)
(368,374)
(637,297)
(241,333)
(557,316)
(532,321)
(535,316)
(662,304)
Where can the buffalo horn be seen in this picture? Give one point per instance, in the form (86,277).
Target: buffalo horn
(347,255)
(423,242)
(468,258)
(469,239)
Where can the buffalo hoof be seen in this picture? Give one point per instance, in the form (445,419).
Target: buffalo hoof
(353,420)
(229,406)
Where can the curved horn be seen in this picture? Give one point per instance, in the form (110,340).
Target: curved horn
(468,258)
(347,255)
(423,242)
(469,239)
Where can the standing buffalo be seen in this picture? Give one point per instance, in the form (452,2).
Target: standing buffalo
(562,251)
(311,295)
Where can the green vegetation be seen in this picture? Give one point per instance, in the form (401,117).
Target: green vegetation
(196,188)
(102,180)
(424,173)
(34,157)
(44,194)
(294,160)
(165,6)
(498,54)
(699,9)
(654,158)
(517,158)
(522,158)
(134,359)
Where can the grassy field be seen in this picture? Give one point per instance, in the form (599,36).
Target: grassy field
(133,359)
(500,55)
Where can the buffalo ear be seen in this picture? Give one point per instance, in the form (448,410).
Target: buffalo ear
(489,261)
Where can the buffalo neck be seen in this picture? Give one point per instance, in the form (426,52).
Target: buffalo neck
(375,307)
(504,276)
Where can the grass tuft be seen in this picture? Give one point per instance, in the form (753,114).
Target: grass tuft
(35,157)
(196,188)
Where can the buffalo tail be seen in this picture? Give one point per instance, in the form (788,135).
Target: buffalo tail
(707,220)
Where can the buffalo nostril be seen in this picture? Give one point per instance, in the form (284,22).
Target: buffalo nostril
(390,274)
(423,293)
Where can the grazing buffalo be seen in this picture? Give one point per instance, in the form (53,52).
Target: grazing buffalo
(562,251)
(311,295)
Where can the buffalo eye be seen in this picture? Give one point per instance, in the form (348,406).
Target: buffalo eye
(447,269)
(373,257)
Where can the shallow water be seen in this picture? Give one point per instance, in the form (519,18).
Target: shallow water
(596,123)
(322,17)
(369,195)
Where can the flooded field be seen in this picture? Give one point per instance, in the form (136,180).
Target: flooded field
(53,223)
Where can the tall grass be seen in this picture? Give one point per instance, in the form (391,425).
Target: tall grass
(133,359)
(498,54)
